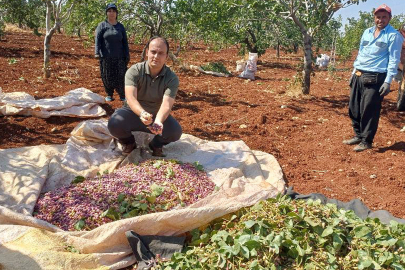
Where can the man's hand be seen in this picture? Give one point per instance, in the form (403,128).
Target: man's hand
(156,128)
(384,89)
(146,118)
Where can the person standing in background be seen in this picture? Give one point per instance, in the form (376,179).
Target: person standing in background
(111,47)
(374,68)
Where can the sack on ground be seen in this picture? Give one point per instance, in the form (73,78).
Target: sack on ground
(323,61)
(250,68)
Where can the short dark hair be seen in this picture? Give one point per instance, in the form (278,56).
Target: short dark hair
(158,37)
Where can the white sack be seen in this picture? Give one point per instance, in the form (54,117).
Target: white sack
(323,61)
(250,67)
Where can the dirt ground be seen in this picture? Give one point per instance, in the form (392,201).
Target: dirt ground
(304,133)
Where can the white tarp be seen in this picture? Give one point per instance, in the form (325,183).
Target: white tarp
(243,175)
(79,102)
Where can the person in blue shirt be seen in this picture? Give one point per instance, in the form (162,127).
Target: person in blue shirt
(111,47)
(374,68)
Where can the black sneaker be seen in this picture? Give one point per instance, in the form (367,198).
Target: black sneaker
(362,146)
(128,148)
(156,151)
(352,141)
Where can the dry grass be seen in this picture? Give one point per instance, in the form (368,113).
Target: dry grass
(13,28)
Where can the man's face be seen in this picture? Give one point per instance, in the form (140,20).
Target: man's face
(157,54)
(381,19)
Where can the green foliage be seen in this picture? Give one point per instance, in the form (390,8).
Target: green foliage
(221,23)
(85,17)
(139,205)
(12,61)
(71,249)
(78,179)
(353,31)
(284,234)
(350,40)
(216,67)
(326,37)
(198,166)
(29,13)
(397,21)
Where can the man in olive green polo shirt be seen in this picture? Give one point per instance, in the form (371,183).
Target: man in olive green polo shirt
(150,91)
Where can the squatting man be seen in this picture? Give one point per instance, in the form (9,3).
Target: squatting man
(150,91)
(374,68)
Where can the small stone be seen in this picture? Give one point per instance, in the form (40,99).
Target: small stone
(373,176)
(389,143)
(394,154)
(243,126)
(53,129)
(340,170)
(403,129)
(36,92)
(283,106)
(263,119)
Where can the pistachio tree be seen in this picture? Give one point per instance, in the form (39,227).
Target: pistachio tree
(310,16)
(244,23)
(24,13)
(85,17)
(57,13)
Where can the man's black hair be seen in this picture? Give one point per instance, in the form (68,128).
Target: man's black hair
(158,37)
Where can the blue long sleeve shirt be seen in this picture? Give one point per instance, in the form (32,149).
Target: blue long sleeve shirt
(111,40)
(381,54)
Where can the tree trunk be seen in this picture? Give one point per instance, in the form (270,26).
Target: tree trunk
(306,73)
(143,54)
(278,49)
(47,53)
(295,48)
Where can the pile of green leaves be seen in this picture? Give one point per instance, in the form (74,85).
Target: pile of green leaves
(216,67)
(285,234)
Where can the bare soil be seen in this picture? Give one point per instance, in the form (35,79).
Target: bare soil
(304,133)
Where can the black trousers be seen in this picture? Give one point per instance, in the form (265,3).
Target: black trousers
(365,106)
(124,121)
(113,75)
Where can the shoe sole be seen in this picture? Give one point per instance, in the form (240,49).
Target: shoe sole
(350,142)
(361,149)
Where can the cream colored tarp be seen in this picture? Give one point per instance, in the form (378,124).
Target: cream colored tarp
(80,102)
(244,177)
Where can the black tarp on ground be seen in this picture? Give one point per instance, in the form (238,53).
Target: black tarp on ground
(356,205)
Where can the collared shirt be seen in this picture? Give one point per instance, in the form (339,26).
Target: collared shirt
(381,54)
(150,91)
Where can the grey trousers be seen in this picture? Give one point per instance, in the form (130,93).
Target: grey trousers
(124,121)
